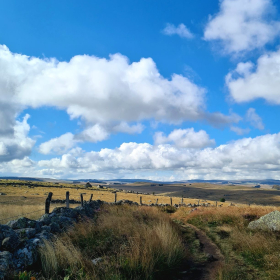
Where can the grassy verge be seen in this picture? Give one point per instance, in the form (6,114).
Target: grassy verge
(249,254)
(124,242)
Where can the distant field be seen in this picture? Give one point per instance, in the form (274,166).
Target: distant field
(28,200)
(241,194)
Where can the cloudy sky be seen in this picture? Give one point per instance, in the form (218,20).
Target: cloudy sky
(165,90)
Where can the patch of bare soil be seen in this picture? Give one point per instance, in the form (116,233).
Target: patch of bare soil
(204,269)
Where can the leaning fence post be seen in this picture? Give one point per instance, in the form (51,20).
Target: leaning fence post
(82,200)
(140,200)
(171,201)
(67,199)
(115,197)
(48,202)
(90,197)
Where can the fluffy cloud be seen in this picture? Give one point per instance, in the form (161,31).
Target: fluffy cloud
(100,90)
(248,81)
(245,158)
(181,30)
(58,145)
(93,134)
(254,119)
(243,25)
(110,95)
(17,145)
(185,138)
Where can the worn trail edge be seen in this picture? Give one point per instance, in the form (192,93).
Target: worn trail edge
(216,258)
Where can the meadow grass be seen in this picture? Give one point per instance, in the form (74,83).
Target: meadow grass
(132,242)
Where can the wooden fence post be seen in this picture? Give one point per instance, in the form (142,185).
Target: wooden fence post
(140,200)
(171,201)
(157,201)
(67,199)
(115,197)
(182,200)
(216,203)
(82,200)
(198,203)
(48,202)
(90,197)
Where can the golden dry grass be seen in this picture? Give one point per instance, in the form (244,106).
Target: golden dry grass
(133,242)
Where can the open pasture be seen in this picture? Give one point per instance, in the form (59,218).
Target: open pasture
(25,199)
(240,194)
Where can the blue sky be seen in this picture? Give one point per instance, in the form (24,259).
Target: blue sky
(140,89)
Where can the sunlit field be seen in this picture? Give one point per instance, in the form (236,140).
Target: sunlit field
(20,200)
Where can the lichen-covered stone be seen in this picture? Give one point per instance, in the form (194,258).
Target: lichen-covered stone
(22,223)
(270,221)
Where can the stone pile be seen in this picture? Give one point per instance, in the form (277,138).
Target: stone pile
(63,201)
(20,239)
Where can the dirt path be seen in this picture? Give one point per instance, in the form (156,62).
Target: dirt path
(215,259)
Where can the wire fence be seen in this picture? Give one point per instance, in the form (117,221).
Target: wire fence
(68,201)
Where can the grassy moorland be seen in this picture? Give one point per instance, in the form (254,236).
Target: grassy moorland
(129,242)
(20,199)
(248,254)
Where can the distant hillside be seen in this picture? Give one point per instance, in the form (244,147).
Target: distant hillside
(98,181)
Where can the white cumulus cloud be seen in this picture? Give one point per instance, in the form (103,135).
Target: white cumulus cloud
(249,82)
(185,138)
(243,25)
(257,157)
(16,145)
(58,145)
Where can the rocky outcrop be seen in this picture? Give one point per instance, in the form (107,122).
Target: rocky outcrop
(270,221)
